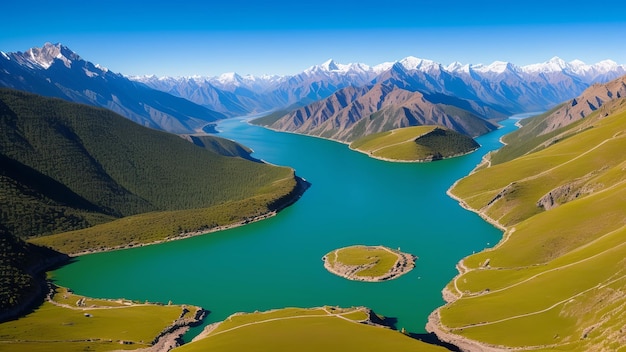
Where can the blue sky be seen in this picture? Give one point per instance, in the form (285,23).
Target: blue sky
(275,37)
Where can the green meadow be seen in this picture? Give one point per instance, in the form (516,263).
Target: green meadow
(71,322)
(417,143)
(376,260)
(556,281)
(315,329)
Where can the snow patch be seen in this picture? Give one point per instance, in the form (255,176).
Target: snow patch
(90,73)
(385,66)
(458,67)
(413,63)
(497,67)
(102,68)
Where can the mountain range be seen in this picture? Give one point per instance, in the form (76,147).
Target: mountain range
(56,71)
(496,83)
(331,100)
(354,112)
(338,101)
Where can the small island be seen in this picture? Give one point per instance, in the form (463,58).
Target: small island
(368,263)
(415,144)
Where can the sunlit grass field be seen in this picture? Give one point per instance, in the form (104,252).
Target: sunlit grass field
(295,329)
(557,282)
(95,325)
(417,143)
(377,260)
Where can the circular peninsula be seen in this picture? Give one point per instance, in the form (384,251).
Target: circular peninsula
(368,263)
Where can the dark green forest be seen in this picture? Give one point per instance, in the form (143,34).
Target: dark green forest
(67,166)
(79,178)
(447,142)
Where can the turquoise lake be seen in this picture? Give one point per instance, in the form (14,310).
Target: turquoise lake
(277,263)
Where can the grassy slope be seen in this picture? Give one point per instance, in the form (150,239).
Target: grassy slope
(418,143)
(64,327)
(382,259)
(558,279)
(103,167)
(318,329)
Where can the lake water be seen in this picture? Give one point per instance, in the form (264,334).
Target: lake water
(277,262)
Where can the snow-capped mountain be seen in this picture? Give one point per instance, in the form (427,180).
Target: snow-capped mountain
(503,86)
(590,74)
(514,88)
(249,94)
(490,91)
(45,56)
(56,71)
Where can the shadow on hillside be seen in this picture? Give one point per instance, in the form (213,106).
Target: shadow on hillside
(432,339)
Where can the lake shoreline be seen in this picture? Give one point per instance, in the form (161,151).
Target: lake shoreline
(360,175)
(434,324)
(425,160)
(362,152)
(276,206)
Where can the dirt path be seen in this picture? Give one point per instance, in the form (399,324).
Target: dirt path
(540,311)
(532,177)
(441,330)
(327,315)
(412,139)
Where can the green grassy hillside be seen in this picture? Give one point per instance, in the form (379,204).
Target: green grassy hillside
(69,322)
(221,146)
(418,143)
(557,280)
(68,166)
(317,329)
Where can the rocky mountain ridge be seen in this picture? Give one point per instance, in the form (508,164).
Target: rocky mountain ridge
(537,86)
(56,71)
(354,112)
(583,105)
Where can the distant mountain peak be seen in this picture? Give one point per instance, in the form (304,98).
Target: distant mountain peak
(415,63)
(607,65)
(45,56)
(229,77)
(330,65)
(458,67)
(557,63)
(497,67)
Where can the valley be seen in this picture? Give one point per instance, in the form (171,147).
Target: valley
(257,253)
(150,206)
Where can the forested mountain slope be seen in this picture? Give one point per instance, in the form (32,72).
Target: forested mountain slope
(68,166)
(56,71)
